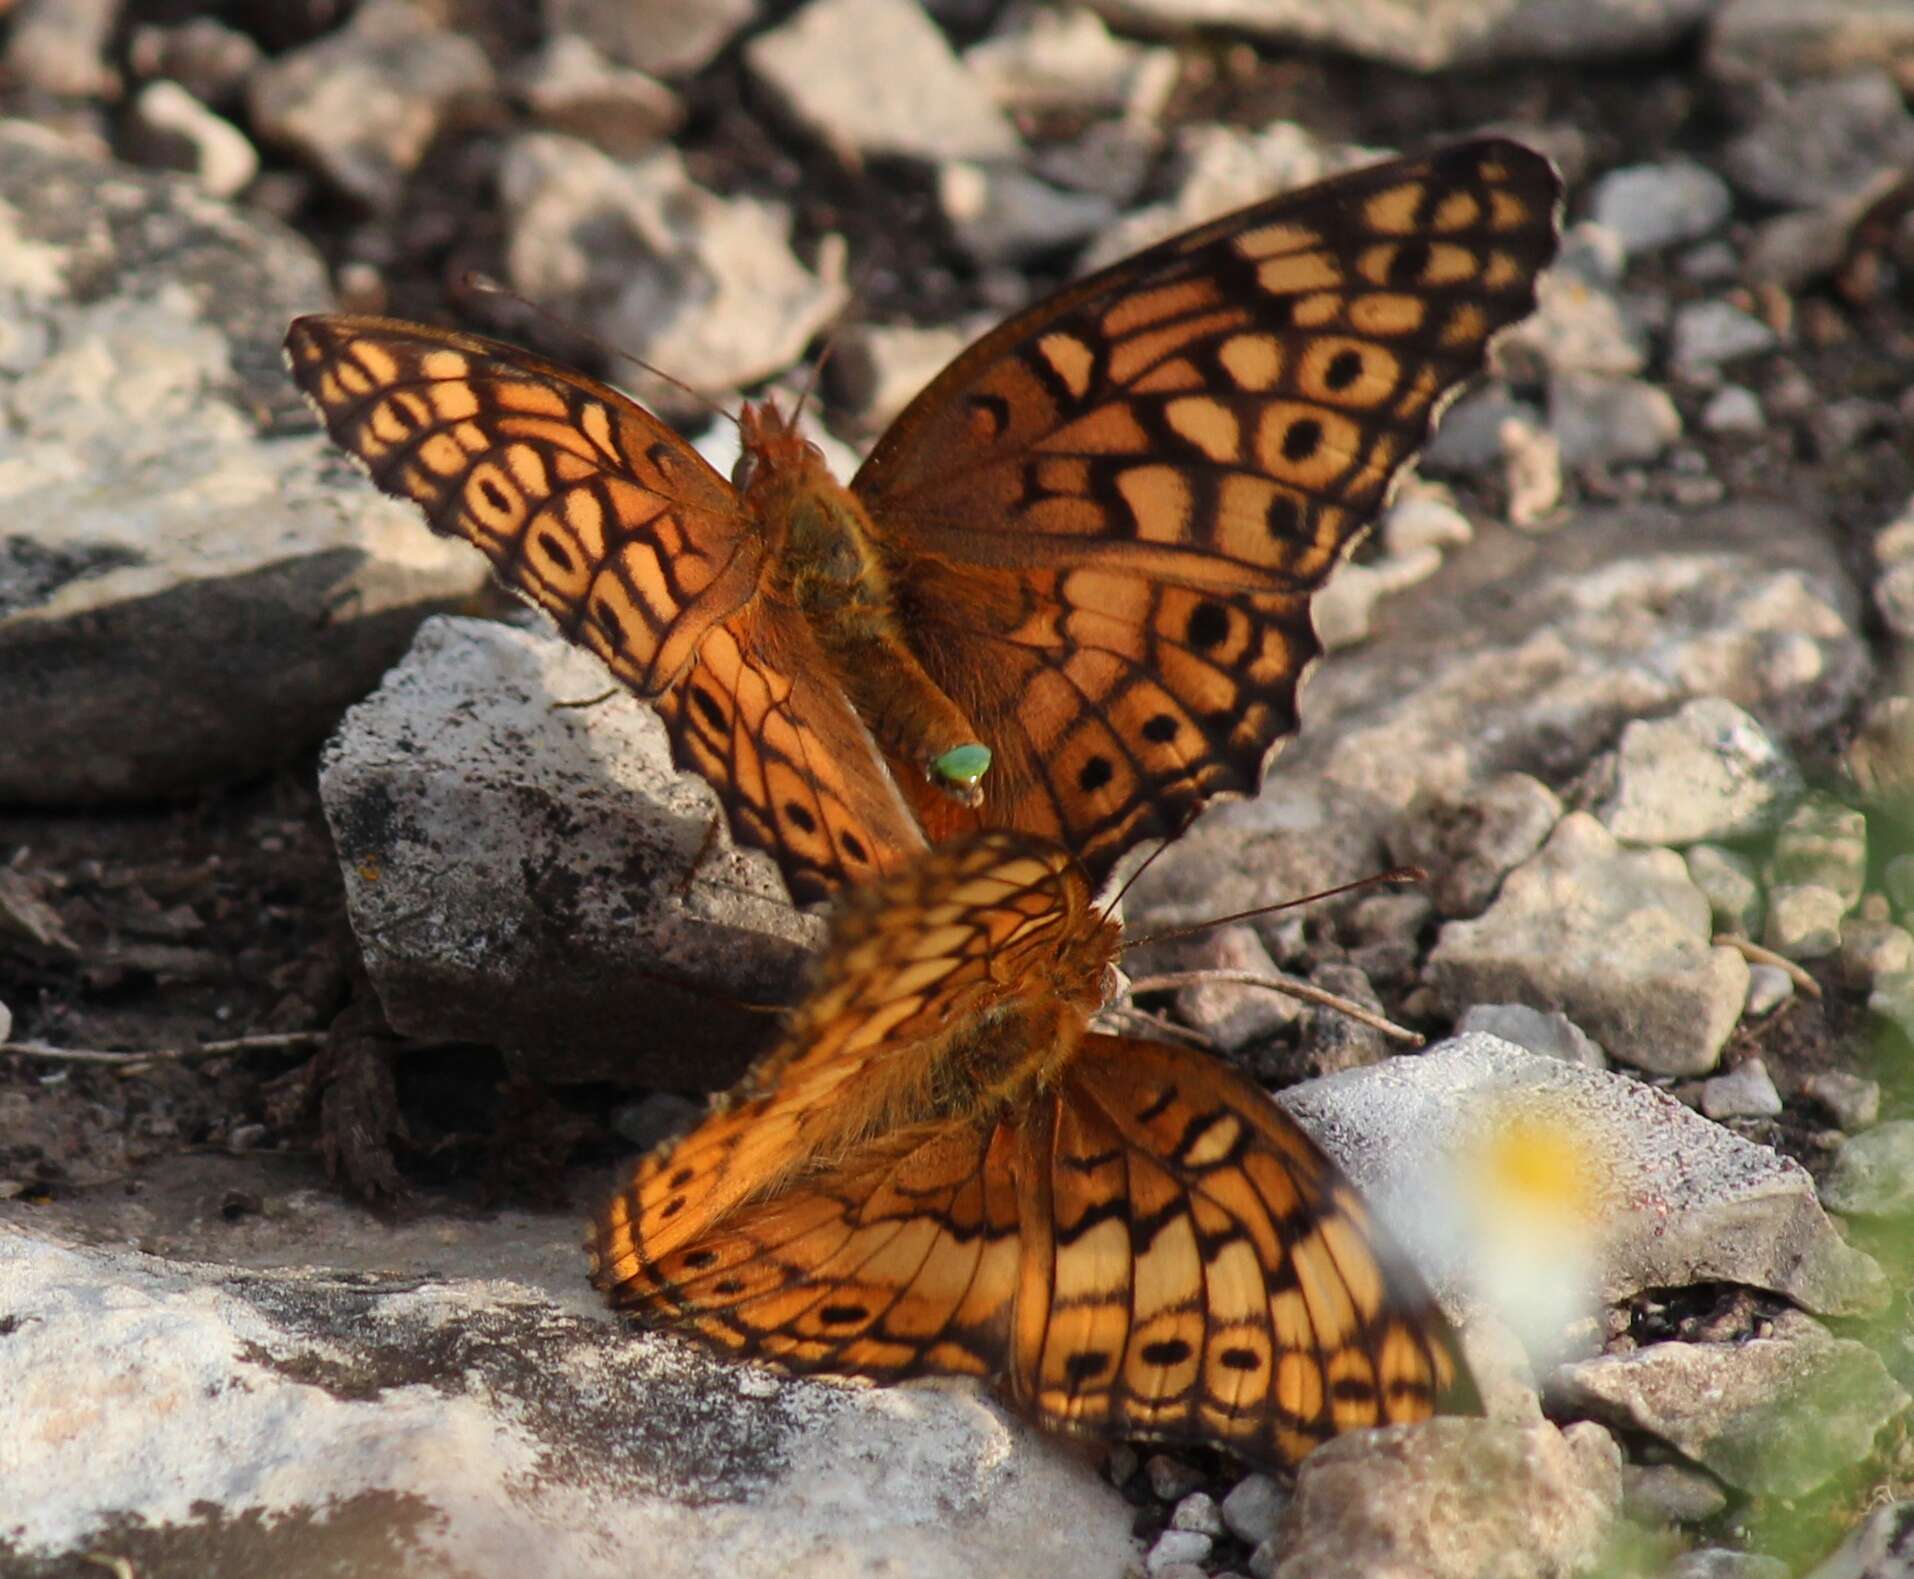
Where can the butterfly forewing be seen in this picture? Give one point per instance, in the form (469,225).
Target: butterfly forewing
(597,512)
(1123,497)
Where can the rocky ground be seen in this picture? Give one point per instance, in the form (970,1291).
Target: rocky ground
(327,1026)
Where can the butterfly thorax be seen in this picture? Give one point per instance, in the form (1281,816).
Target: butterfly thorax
(827,560)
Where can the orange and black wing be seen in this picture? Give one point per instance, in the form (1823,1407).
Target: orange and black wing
(1107,518)
(591,508)
(1150,1249)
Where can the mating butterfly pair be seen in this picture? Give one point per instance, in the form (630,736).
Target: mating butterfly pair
(1066,597)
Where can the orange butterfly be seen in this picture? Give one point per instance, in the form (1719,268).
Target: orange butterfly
(943,1171)
(1069,591)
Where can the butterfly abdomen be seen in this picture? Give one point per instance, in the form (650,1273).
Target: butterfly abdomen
(826,562)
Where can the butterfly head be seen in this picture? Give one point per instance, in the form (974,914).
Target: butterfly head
(770,445)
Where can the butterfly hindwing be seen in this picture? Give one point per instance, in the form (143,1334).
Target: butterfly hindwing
(1129,1238)
(1123,498)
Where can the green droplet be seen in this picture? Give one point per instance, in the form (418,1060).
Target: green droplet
(964,765)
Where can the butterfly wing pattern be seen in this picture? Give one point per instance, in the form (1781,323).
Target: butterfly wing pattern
(1101,526)
(1109,515)
(1126,1237)
(595,511)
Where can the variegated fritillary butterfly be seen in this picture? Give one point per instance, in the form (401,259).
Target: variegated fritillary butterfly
(1069,590)
(943,1171)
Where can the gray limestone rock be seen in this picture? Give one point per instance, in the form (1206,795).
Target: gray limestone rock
(1707,771)
(202,584)
(525,871)
(1778,1416)
(1528,655)
(361,105)
(1680,1200)
(198,1419)
(908,96)
(1452,1499)
(1616,939)
(644,258)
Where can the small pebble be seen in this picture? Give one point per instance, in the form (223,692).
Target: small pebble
(1733,409)
(1670,1494)
(1804,920)
(1873,1172)
(1852,1102)
(247,1137)
(1197,1512)
(1174,1547)
(1746,1091)
(1253,1507)
(1170,1479)
(1769,986)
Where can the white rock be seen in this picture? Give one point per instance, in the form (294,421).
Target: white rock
(1778,1416)
(1604,421)
(59,47)
(211,149)
(1745,1091)
(520,871)
(1708,771)
(1067,59)
(1471,1499)
(998,214)
(571,88)
(1253,1506)
(1804,920)
(645,259)
(910,97)
(1873,1172)
(1620,615)
(1815,142)
(1424,516)
(200,559)
(1824,842)
(1197,1512)
(1553,1035)
(1616,939)
(669,38)
(1733,409)
(1174,1547)
(1728,881)
(1652,206)
(1672,1199)
(1769,987)
(1707,334)
(362,104)
(1853,1102)
(486,1430)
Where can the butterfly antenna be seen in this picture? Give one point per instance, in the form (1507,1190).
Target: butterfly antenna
(1395,874)
(831,335)
(478,284)
(1130,881)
